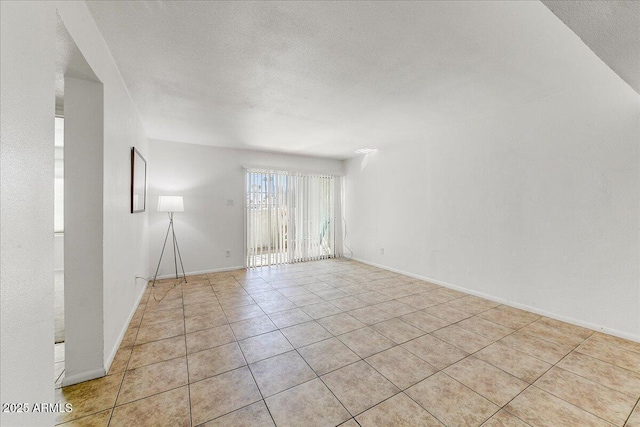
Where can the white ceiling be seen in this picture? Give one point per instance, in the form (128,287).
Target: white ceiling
(610,28)
(327,78)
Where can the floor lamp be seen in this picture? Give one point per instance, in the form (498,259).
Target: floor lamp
(171,204)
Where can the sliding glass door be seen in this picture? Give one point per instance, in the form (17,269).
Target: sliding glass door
(289,217)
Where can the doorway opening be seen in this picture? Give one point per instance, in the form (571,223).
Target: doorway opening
(58,230)
(78,207)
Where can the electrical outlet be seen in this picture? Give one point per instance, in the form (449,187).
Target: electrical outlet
(381,251)
(227,253)
(229,202)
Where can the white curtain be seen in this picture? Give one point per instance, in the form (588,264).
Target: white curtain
(289,217)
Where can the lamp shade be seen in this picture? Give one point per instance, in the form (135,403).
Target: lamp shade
(170,204)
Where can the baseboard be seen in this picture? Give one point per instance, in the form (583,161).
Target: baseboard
(109,360)
(577,322)
(84,376)
(195,273)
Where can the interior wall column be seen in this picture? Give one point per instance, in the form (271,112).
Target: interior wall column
(83,224)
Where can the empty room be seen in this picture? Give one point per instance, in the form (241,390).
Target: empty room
(320,213)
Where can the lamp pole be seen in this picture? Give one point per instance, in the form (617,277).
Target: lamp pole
(171,204)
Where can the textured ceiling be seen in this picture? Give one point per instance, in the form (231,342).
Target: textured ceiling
(610,28)
(327,78)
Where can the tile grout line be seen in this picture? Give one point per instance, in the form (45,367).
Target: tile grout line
(400,391)
(429,412)
(532,384)
(601,361)
(503,407)
(249,368)
(124,372)
(605,361)
(310,367)
(245,365)
(564,400)
(470,354)
(636,406)
(186,355)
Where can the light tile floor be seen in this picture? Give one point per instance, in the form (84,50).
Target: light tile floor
(332,342)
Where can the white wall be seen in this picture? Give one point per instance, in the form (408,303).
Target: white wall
(27,245)
(537,206)
(207,177)
(125,250)
(27,61)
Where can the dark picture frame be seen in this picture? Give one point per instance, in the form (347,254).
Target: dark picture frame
(138,181)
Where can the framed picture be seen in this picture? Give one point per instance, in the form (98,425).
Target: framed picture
(138,181)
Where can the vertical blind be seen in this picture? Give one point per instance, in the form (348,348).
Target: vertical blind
(289,217)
